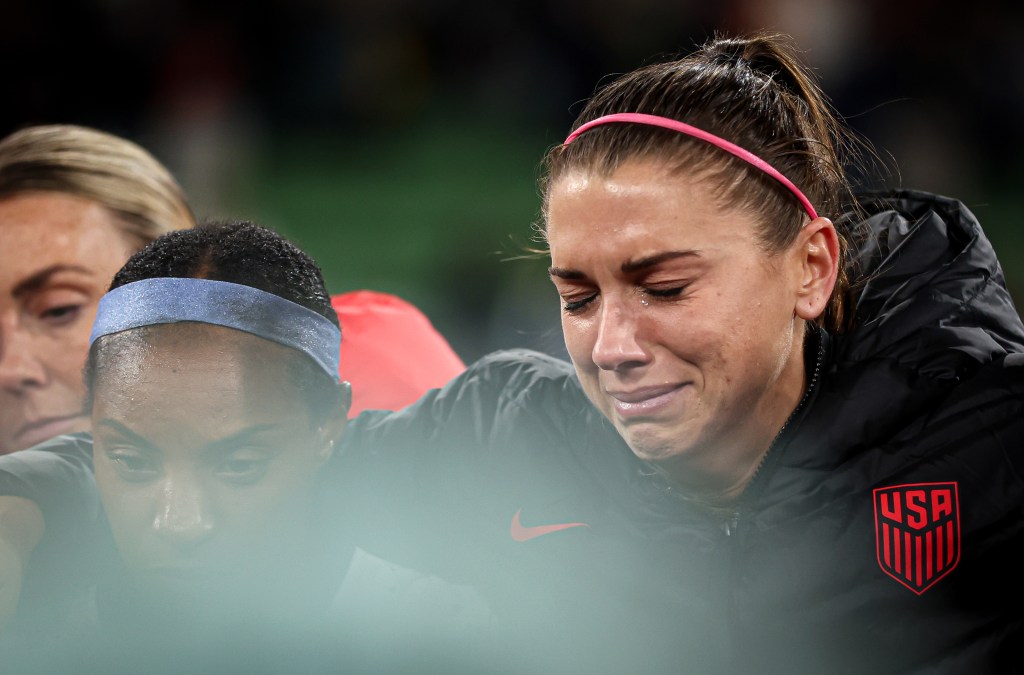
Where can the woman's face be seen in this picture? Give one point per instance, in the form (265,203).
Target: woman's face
(684,332)
(204,456)
(58,254)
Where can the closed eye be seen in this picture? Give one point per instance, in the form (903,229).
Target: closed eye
(572,306)
(61,313)
(664,292)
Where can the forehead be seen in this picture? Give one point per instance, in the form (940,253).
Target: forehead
(190,371)
(642,205)
(39,230)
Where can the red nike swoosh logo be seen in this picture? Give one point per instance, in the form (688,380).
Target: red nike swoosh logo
(520,533)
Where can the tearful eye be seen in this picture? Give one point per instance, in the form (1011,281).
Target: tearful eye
(571,306)
(664,292)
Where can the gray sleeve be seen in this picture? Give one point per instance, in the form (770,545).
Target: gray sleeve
(57,476)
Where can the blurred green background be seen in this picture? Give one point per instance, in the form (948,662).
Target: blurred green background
(440,215)
(399,141)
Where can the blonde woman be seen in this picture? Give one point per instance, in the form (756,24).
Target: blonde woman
(74,204)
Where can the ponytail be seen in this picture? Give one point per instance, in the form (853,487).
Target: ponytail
(755,93)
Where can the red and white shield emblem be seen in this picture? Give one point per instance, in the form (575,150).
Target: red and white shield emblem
(917,532)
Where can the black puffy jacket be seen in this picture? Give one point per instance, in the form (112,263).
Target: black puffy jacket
(883,533)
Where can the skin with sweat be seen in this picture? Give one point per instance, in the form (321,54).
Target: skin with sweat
(204,457)
(684,331)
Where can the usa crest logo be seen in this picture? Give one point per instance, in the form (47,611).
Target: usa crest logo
(917,532)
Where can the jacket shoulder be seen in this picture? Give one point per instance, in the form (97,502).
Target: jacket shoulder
(929,290)
(520,384)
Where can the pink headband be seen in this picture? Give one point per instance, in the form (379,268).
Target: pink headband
(683,128)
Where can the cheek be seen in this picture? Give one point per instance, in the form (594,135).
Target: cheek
(69,364)
(249,509)
(579,343)
(279,501)
(130,509)
(750,351)
(64,352)
(106,483)
(579,339)
(738,321)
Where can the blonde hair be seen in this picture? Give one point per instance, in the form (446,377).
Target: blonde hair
(104,168)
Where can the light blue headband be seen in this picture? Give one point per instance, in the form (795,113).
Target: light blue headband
(170,300)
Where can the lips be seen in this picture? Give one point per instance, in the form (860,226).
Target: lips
(644,401)
(37,431)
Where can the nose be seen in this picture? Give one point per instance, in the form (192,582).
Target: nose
(182,518)
(619,335)
(19,366)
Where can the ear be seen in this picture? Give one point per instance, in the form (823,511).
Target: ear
(817,252)
(333,428)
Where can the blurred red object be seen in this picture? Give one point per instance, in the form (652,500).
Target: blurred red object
(390,351)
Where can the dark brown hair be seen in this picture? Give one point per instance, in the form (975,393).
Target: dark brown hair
(754,92)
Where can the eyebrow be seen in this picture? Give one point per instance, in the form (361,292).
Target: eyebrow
(650,261)
(121,429)
(217,448)
(39,279)
(630,266)
(225,446)
(563,273)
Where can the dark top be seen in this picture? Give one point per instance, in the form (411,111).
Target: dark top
(882,534)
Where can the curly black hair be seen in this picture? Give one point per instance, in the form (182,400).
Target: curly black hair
(244,253)
(240,252)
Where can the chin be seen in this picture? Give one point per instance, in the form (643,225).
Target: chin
(650,446)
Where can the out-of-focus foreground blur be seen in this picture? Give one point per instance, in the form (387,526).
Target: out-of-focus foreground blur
(399,140)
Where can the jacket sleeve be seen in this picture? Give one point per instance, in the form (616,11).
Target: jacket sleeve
(419,479)
(57,477)
(452,424)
